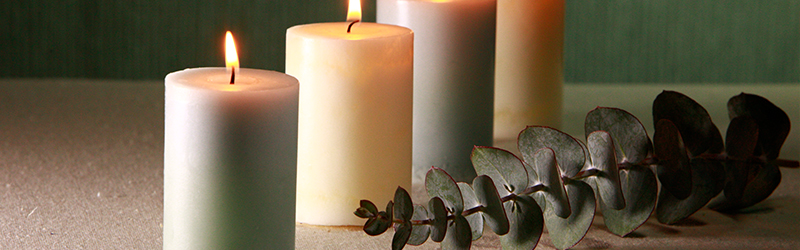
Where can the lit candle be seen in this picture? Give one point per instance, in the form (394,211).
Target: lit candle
(230,145)
(355,116)
(453,79)
(528,70)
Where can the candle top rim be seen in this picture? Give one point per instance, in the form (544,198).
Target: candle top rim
(218,78)
(359,31)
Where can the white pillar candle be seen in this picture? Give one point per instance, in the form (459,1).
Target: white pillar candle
(355,116)
(453,79)
(528,70)
(229,159)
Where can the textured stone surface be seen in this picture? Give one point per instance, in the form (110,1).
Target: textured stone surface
(81,168)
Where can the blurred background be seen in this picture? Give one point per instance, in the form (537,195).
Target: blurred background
(689,41)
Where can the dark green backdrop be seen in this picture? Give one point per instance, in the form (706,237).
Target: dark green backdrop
(605,40)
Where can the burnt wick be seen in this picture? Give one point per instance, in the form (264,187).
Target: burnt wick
(351,25)
(233,74)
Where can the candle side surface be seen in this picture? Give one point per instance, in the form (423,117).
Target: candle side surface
(229,160)
(529,66)
(453,79)
(354,137)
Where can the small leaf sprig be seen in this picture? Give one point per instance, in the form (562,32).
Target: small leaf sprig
(559,181)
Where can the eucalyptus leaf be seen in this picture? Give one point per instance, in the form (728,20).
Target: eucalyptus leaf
(708,178)
(545,165)
(526,224)
(766,180)
(773,123)
(503,167)
(366,210)
(640,189)
(699,133)
(568,150)
(673,167)
(630,138)
(602,152)
(566,232)
(470,200)
(419,233)
(389,209)
(401,236)
(438,216)
(494,213)
(378,225)
(740,144)
(440,184)
(459,236)
(403,207)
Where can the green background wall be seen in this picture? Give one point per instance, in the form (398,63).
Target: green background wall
(605,40)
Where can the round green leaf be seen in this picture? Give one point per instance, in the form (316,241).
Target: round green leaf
(459,235)
(401,236)
(419,233)
(470,201)
(403,207)
(366,210)
(566,232)
(673,167)
(640,189)
(379,224)
(602,152)
(525,224)
(568,150)
(630,138)
(494,212)
(503,167)
(438,216)
(376,226)
(699,133)
(766,180)
(389,215)
(741,138)
(440,184)
(544,163)
(708,179)
(740,144)
(773,123)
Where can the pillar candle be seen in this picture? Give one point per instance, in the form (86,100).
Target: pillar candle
(528,69)
(453,79)
(229,159)
(355,116)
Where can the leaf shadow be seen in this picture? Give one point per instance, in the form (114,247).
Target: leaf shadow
(592,243)
(635,235)
(689,222)
(767,206)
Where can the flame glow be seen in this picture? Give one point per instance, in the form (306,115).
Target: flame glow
(231,58)
(354,11)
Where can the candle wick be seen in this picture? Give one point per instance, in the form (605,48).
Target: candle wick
(233,74)
(351,25)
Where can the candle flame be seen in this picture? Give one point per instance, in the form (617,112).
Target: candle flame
(354,11)
(231,58)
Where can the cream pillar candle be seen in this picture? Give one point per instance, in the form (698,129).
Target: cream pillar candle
(229,159)
(355,116)
(528,69)
(453,79)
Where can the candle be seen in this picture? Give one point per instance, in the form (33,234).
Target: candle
(230,140)
(355,116)
(453,79)
(528,69)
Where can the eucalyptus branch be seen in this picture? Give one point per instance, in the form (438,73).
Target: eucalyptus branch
(686,155)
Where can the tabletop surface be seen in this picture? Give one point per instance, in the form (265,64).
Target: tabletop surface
(81,167)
